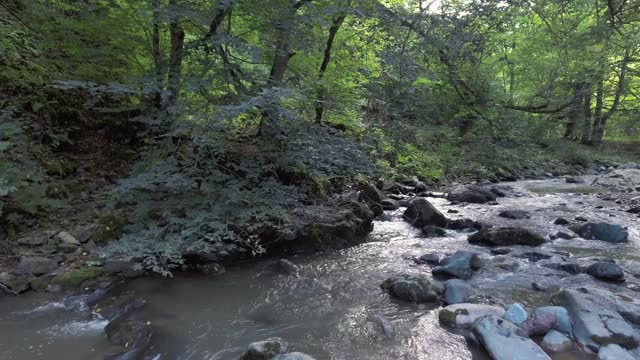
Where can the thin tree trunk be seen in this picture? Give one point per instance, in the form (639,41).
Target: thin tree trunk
(175,60)
(320,101)
(587,91)
(156,53)
(597,119)
(223,9)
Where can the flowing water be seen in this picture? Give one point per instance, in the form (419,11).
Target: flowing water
(324,310)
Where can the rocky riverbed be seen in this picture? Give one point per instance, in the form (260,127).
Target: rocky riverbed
(530,270)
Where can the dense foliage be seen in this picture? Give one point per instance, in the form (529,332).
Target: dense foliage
(238,110)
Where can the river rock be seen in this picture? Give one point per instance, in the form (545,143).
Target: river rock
(506,263)
(15,284)
(471,194)
(561,221)
(516,314)
(614,352)
(459,265)
(413,288)
(36,265)
(457,292)
(387,328)
(515,214)
(501,251)
(539,325)
(506,236)
(464,224)
(389,204)
(431,231)
(286,267)
(601,231)
(564,235)
(370,195)
(66,238)
(620,179)
(634,210)
(555,342)
(33,240)
(466,314)
(597,320)
(431,258)
(606,271)
(505,341)
(266,349)
(127,329)
(422,213)
(293,356)
(563,319)
(534,256)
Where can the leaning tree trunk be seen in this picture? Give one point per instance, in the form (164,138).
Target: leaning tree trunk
(175,60)
(599,131)
(597,119)
(321,97)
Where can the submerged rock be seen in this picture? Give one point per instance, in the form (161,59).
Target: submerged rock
(597,320)
(413,288)
(501,251)
(459,265)
(465,315)
(515,214)
(431,231)
(422,213)
(457,292)
(387,328)
(561,221)
(266,349)
(507,236)
(293,356)
(431,258)
(505,341)
(607,271)
(601,231)
(555,341)
(390,204)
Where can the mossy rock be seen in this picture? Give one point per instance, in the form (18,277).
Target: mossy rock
(110,227)
(59,167)
(75,277)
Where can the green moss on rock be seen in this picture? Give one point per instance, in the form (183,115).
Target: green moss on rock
(76,277)
(111,227)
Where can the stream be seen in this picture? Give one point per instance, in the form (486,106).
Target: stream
(324,310)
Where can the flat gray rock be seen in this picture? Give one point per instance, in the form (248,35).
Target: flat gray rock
(614,352)
(505,341)
(597,318)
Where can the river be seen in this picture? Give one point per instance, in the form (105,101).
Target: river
(323,311)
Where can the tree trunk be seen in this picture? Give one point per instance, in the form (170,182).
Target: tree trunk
(156,53)
(597,119)
(223,9)
(587,91)
(599,131)
(574,113)
(175,59)
(320,101)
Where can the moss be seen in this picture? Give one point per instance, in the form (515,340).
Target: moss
(448,317)
(111,226)
(76,277)
(60,167)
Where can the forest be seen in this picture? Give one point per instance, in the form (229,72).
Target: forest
(210,113)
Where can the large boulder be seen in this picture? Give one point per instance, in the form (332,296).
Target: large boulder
(266,349)
(36,265)
(372,197)
(614,352)
(606,271)
(598,319)
(465,315)
(472,194)
(505,341)
(620,179)
(421,213)
(601,231)
(505,236)
(413,288)
(459,265)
